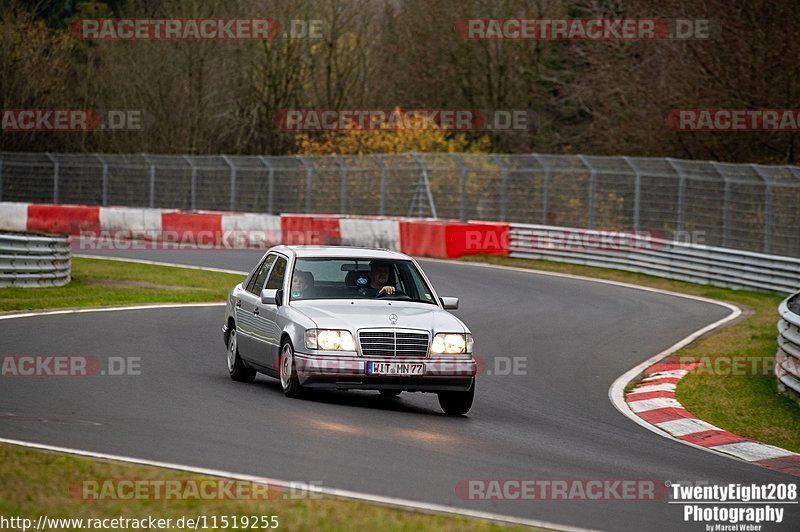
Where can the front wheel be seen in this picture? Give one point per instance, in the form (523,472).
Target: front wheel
(457,403)
(288,372)
(236,368)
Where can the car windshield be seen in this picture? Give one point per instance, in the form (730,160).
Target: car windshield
(347,278)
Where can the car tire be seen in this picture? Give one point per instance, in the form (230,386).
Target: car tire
(236,368)
(390,393)
(457,403)
(288,372)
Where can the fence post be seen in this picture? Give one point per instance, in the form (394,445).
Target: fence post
(767,245)
(681,194)
(726,201)
(1,179)
(152,186)
(545,186)
(104,201)
(270,182)
(462,206)
(233,182)
(342,186)
(55,176)
(503,186)
(382,183)
(309,181)
(193,205)
(590,205)
(637,193)
(423,187)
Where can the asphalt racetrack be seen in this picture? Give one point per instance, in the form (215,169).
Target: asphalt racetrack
(554,422)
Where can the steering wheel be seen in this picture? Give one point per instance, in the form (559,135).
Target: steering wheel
(396,293)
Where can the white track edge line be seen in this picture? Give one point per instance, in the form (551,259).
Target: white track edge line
(87,310)
(156,263)
(332,492)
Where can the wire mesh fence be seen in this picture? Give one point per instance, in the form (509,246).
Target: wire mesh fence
(741,206)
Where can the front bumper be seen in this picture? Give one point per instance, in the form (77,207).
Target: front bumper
(350,372)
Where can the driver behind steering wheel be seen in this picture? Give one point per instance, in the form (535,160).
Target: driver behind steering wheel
(379,279)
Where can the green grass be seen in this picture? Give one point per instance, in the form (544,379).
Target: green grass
(747,405)
(98,282)
(38,483)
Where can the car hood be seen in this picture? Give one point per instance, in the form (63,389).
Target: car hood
(360,314)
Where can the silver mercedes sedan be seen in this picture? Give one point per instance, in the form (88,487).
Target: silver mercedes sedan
(348,318)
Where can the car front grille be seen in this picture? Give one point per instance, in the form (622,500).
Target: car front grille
(393,343)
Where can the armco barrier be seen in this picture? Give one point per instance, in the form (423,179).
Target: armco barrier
(32,260)
(654,256)
(787,359)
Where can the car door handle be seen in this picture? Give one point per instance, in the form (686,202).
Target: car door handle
(238,303)
(255,311)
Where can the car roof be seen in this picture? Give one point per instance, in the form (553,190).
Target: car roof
(341,251)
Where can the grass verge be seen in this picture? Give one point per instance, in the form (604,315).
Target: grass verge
(36,483)
(97,282)
(727,391)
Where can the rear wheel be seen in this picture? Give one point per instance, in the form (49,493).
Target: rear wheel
(390,393)
(236,368)
(288,372)
(457,403)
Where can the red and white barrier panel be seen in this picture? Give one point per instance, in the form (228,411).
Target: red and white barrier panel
(445,239)
(654,401)
(428,238)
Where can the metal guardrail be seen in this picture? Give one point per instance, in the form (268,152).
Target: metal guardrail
(28,260)
(656,256)
(787,359)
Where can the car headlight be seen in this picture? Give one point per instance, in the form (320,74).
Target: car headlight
(330,340)
(451,344)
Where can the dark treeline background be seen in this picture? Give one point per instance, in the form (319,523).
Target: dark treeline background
(587,97)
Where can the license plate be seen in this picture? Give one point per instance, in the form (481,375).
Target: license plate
(395,368)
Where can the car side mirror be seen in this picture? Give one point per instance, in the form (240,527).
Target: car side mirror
(449,303)
(269,296)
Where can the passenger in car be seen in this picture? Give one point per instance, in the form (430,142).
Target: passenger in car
(302,282)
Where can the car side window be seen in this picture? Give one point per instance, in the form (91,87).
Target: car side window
(254,287)
(275,280)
